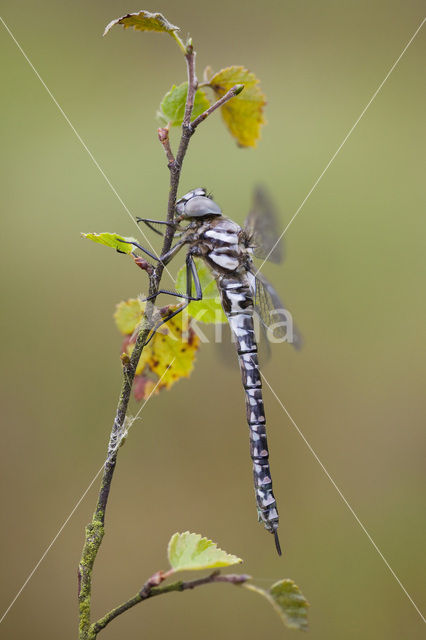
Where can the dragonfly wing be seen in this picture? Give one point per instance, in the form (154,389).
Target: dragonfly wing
(272,312)
(262,229)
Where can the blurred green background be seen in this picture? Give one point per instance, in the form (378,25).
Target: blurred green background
(353,278)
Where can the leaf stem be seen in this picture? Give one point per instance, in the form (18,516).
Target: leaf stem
(151,588)
(228,96)
(179,41)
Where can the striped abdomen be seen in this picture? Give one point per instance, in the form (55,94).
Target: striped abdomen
(237,301)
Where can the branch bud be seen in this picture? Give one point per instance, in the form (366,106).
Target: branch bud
(143,264)
(163,134)
(125,360)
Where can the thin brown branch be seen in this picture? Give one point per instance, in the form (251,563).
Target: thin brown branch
(95,529)
(192,84)
(151,588)
(163,136)
(228,96)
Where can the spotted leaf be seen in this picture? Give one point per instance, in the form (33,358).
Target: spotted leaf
(243,115)
(209,309)
(190,551)
(169,356)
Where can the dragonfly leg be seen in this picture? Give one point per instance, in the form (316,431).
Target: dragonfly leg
(166,319)
(149,222)
(191,276)
(139,246)
(166,257)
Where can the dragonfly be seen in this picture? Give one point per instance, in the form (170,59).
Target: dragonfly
(229,251)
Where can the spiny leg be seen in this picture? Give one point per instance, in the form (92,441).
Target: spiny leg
(149,222)
(139,246)
(166,257)
(191,276)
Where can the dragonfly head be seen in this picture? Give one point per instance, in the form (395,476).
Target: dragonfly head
(196,204)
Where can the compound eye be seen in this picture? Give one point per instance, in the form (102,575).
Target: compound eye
(200,206)
(180,207)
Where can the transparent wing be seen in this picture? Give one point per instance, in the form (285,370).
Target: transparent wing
(273,314)
(262,229)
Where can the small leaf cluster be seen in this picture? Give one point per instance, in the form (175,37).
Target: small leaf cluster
(243,115)
(164,362)
(191,552)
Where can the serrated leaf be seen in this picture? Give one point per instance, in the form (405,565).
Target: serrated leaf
(128,315)
(288,601)
(190,551)
(243,115)
(168,357)
(114,240)
(209,309)
(172,107)
(207,73)
(161,118)
(144,21)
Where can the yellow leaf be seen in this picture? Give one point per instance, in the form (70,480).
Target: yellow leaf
(172,354)
(147,21)
(169,356)
(243,114)
(144,21)
(128,315)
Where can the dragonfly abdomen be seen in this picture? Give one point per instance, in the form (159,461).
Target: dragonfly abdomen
(237,302)
(265,499)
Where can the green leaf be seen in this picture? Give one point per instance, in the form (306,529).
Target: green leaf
(209,309)
(144,21)
(189,551)
(120,243)
(172,107)
(288,601)
(243,115)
